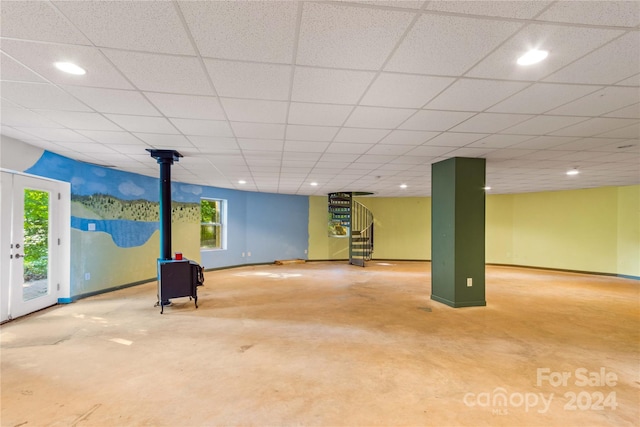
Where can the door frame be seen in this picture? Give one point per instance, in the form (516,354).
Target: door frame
(61,269)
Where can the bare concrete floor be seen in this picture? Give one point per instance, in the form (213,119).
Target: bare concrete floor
(328,344)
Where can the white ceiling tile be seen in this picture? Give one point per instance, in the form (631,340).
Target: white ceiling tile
(330,168)
(110,137)
(311,133)
(631,145)
(454,139)
(258,130)
(378,117)
(14,71)
(259,111)
(40,57)
(542,97)
(405,4)
(504,9)
(329,86)
(28,138)
(210,144)
(609,64)
(508,153)
(113,100)
(305,146)
(148,26)
(542,125)
(595,126)
(37,20)
(404,90)
(87,147)
(408,137)
(611,13)
(499,141)
(448,45)
(565,44)
(142,123)
(230,160)
(158,139)
(600,102)
(318,114)
(255,31)
(130,148)
(370,136)
(55,135)
(295,155)
(574,156)
(81,121)
(187,106)
(41,96)
(375,158)
(203,127)
(348,148)
(632,131)
(596,144)
(249,80)
(435,120)
(387,149)
(260,144)
(162,73)
(340,36)
(26,118)
(545,155)
(474,95)
(544,142)
(631,81)
(630,112)
(335,157)
(470,152)
(490,122)
(430,151)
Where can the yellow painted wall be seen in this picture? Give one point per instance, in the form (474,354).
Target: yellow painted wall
(629,230)
(595,230)
(575,230)
(499,229)
(402,227)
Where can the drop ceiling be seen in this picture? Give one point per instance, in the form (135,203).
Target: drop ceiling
(356,96)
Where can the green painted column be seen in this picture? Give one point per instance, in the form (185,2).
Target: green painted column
(457,232)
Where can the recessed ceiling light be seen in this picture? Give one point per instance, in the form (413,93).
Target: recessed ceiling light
(573,171)
(487,188)
(314,184)
(242,181)
(70,68)
(532,57)
(403,186)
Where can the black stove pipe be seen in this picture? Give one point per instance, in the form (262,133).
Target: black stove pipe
(165,159)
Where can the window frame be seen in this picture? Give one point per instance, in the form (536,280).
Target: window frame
(222,215)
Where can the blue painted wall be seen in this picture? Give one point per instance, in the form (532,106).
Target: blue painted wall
(269,226)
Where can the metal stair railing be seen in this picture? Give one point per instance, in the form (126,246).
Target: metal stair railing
(361,238)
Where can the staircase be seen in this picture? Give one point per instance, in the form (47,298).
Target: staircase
(361,237)
(352,219)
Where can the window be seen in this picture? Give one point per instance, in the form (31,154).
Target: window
(212,224)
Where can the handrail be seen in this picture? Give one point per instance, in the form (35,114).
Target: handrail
(361,241)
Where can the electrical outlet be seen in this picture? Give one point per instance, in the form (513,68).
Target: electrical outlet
(242,254)
(305,251)
(469,282)
(87,276)
(248,253)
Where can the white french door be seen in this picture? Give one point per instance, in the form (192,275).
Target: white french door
(34,243)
